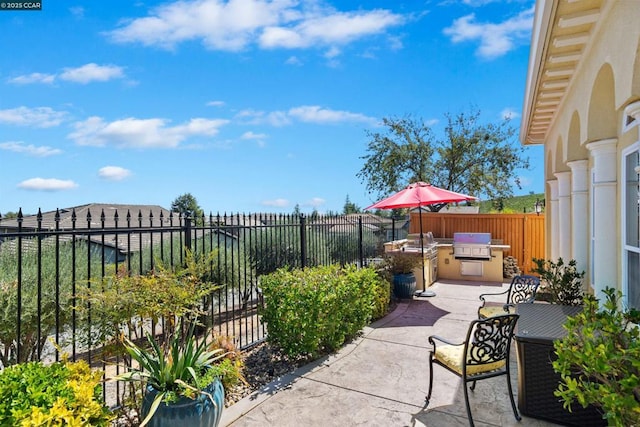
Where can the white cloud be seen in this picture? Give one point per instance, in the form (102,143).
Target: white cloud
(233,25)
(42,117)
(330,29)
(47,184)
(478,3)
(221,25)
(278,203)
(293,60)
(495,39)
(251,135)
(316,202)
(304,113)
(332,53)
(92,72)
(316,114)
(509,113)
(33,78)
(77,11)
(253,117)
(114,173)
(141,133)
(215,104)
(32,150)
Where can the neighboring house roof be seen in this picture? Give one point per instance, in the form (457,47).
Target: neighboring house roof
(148,214)
(90,216)
(349,223)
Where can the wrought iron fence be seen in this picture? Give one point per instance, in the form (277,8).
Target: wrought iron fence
(47,260)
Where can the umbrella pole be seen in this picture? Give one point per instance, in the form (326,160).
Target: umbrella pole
(425,292)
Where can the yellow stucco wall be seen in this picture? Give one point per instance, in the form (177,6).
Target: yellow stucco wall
(449,268)
(603,83)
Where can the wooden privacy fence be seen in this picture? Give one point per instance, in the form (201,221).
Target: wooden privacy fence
(524,233)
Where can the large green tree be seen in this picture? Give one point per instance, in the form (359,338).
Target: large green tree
(186,204)
(476,158)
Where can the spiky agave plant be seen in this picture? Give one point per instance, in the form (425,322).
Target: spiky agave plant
(175,371)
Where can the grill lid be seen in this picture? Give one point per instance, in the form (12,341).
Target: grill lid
(472,246)
(476,238)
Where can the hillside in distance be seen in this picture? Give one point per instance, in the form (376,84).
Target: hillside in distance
(516,204)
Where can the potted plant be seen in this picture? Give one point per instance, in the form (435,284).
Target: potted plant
(401,266)
(598,359)
(560,283)
(181,385)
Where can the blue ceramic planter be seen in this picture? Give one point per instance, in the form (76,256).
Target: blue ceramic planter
(199,412)
(404,285)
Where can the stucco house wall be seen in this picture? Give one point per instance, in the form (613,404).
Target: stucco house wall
(591,136)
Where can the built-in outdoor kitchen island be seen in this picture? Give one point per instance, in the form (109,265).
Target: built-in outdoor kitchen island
(471,256)
(468,256)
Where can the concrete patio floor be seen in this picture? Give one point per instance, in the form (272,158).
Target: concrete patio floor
(381,379)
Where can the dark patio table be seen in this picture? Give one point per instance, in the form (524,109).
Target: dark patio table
(538,326)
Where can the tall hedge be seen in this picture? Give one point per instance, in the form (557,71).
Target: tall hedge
(315,311)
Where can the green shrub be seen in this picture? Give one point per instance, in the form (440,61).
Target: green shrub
(562,282)
(599,360)
(382,294)
(60,394)
(47,276)
(316,310)
(123,302)
(230,368)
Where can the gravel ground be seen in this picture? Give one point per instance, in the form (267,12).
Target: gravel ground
(263,364)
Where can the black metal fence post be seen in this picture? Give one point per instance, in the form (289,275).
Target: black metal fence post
(303,241)
(393,228)
(187,233)
(19,284)
(360,242)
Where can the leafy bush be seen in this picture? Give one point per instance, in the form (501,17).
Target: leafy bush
(382,295)
(55,276)
(317,310)
(229,369)
(562,282)
(123,301)
(599,360)
(344,248)
(60,394)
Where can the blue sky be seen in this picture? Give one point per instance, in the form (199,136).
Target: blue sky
(249,105)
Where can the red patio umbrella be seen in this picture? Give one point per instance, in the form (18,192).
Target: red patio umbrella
(416,195)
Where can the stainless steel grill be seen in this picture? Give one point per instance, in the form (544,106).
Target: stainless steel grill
(476,246)
(430,248)
(430,245)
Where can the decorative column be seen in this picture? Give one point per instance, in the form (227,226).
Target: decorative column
(553,220)
(605,215)
(580,213)
(564,215)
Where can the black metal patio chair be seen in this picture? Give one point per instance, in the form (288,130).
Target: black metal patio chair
(483,354)
(523,289)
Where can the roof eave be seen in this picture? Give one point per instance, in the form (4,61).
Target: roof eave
(541,28)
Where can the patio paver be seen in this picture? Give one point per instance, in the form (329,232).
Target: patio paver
(382,377)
